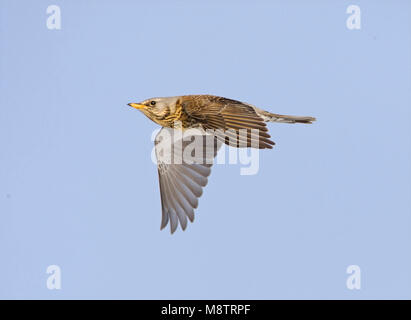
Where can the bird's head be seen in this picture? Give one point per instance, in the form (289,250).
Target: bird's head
(157,109)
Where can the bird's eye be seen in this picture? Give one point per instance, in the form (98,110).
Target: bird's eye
(153,103)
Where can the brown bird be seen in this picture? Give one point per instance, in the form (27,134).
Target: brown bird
(223,119)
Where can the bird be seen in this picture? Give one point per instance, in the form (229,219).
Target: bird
(218,119)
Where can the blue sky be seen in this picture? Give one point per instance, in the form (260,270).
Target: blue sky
(78,188)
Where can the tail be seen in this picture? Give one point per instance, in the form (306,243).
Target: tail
(273,117)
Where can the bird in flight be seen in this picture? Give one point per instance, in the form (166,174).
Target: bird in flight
(211,121)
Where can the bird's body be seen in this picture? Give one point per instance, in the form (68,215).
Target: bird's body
(225,119)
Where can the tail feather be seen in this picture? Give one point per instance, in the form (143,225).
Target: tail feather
(273,117)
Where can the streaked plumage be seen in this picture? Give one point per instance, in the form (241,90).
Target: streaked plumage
(181,182)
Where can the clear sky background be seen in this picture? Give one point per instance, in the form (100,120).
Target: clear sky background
(78,188)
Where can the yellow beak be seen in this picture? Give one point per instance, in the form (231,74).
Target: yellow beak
(137,105)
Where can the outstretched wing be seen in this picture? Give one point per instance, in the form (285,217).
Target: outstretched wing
(238,120)
(184,160)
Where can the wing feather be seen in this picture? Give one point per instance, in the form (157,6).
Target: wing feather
(181,183)
(225,114)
